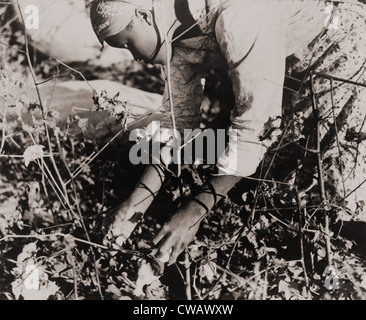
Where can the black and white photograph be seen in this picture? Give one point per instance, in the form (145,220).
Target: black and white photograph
(179,156)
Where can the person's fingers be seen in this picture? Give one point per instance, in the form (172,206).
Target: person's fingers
(174,255)
(163,232)
(123,217)
(116,229)
(165,258)
(121,228)
(165,247)
(176,252)
(154,252)
(121,240)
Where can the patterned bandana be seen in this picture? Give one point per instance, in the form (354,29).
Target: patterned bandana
(109,17)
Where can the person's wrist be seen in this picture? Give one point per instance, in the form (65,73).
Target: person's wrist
(136,203)
(197,207)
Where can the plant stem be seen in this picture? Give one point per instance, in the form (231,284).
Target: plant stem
(75,280)
(338,142)
(187,265)
(326,76)
(34,78)
(44,237)
(170,93)
(302,246)
(320,167)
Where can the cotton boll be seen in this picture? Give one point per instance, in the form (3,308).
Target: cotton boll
(145,277)
(149,272)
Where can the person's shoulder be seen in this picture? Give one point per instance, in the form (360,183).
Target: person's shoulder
(258,10)
(250,3)
(249,15)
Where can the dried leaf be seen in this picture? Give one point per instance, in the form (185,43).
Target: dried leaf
(146,276)
(43,293)
(16,287)
(208,270)
(289,289)
(69,242)
(116,293)
(156,291)
(30,248)
(283,287)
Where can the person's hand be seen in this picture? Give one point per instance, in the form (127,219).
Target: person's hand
(178,232)
(124,222)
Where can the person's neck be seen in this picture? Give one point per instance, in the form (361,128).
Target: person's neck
(166,18)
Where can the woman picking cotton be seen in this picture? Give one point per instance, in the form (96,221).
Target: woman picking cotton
(254,45)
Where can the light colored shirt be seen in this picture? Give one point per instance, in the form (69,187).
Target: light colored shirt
(251,40)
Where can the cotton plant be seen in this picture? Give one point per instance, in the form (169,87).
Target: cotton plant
(31,279)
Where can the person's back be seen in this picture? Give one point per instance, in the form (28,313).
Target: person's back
(306,20)
(251,41)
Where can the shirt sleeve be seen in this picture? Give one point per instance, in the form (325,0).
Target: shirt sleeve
(251,36)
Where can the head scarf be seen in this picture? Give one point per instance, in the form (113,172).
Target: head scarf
(110,17)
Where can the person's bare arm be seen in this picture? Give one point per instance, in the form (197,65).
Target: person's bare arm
(187,96)
(184,224)
(252,41)
(147,188)
(138,202)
